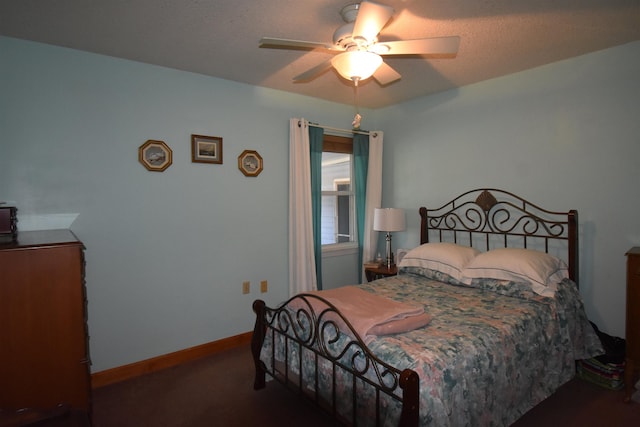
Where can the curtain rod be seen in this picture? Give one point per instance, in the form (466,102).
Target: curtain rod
(362,132)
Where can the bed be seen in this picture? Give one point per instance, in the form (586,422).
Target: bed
(495,279)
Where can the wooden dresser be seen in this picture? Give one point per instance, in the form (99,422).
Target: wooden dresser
(632,360)
(44,356)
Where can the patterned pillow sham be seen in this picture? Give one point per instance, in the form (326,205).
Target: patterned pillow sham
(538,269)
(440,257)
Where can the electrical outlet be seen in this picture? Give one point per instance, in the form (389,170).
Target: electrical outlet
(246,287)
(264,287)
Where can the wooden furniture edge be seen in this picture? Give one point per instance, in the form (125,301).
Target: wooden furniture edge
(125,372)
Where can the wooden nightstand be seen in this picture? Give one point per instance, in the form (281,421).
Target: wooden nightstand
(374,273)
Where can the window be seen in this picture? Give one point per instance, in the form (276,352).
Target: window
(338,197)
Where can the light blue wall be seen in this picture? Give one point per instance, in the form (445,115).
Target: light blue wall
(166,252)
(565,136)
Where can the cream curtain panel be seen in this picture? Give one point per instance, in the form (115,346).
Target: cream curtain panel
(302,268)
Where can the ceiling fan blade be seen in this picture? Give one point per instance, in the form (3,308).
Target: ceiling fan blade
(271,42)
(445,46)
(385,74)
(313,72)
(371,18)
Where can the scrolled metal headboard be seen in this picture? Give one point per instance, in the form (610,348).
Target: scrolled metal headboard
(487,218)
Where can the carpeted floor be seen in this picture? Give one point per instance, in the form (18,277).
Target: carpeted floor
(218,391)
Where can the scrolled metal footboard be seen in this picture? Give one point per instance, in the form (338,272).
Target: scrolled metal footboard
(308,328)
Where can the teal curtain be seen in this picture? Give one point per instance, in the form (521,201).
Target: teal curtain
(361,166)
(316,135)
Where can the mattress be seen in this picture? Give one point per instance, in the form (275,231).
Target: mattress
(491,352)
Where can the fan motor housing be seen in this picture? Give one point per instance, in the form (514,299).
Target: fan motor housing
(342,37)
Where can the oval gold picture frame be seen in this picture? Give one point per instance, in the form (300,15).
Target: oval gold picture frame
(154,155)
(250,163)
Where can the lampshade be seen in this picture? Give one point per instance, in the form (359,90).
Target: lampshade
(388,219)
(356,64)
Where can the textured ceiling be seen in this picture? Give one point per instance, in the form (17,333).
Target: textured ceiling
(220,37)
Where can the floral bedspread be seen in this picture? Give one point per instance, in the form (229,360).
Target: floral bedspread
(491,352)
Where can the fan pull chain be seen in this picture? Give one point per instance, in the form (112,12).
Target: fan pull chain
(357,118)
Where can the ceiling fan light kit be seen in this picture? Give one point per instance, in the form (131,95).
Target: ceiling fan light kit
(356,65)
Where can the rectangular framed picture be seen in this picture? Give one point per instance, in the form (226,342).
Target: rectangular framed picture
(206,149)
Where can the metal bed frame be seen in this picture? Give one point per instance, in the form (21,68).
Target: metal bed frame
(484,218)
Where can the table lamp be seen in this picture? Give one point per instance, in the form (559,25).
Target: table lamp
(388,219)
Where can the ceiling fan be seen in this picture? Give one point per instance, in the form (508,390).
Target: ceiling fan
(358,51)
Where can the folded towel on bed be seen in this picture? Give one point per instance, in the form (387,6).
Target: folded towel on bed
(372,315)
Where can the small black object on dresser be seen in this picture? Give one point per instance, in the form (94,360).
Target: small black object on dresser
(9,222)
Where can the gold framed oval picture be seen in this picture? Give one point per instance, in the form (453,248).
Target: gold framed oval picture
(250,163)
(155,155)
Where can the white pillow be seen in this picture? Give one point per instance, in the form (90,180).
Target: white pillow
(448,258)
(542,271)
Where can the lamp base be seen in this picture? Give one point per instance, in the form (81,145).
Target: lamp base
(389,252)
